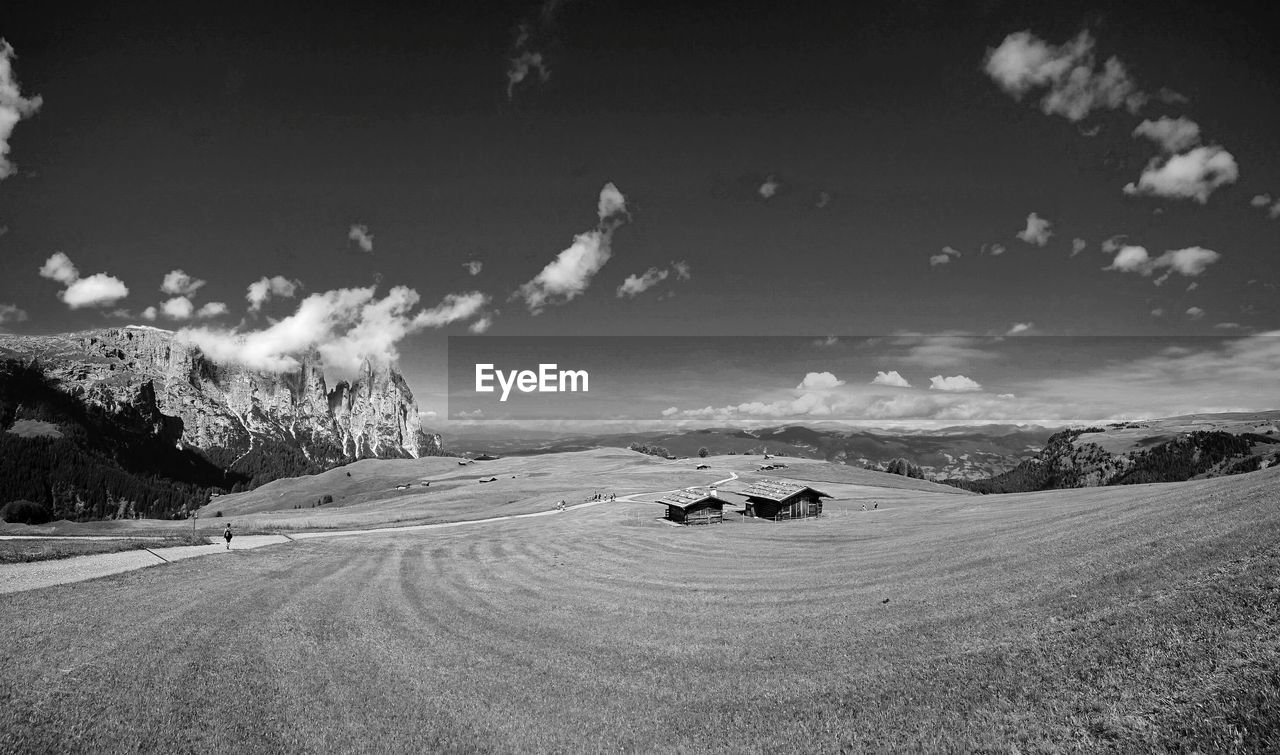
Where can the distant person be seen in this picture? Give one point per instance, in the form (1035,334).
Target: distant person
(877,505)
(864,507)
(226,534)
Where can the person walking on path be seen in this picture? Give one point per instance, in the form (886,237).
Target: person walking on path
(227,535)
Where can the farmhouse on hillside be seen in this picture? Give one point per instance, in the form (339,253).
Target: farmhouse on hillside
(694,506)
(782,499)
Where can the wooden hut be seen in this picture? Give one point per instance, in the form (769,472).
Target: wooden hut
(694,506)
(782,499)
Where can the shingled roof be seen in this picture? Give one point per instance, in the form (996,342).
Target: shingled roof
(688,497)
(778,490)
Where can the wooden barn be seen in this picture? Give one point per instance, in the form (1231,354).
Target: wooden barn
(694,506)
(782,499)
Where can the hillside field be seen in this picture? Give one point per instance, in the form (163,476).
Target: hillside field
(1134,618)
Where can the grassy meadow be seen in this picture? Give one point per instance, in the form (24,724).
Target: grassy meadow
(1135,618)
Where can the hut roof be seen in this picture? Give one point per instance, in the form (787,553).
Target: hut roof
(689,497)
(778,490)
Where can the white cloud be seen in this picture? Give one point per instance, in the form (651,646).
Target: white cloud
(770,187)
(638,284)
(473,267)
(1189,262)
(12,313)
(819,381)
(1109,246)
(1157,312)
(890,378)
(953,384)
(1073,85)
(13,106)
(683,271)
(213,309)
(97,290)
(360,234)
(347,327)
(1019,328)
(481,325)
(824,199)
(1228,326)
(1172,134)
(1037,232)
(178,308)
(453,308)
(59,268)
(520,67)
(1195,313)
(1078,245)
(569,274)
(826,342)
(611,203)
(995,250)
(149,313)
(265,288)
(178,283)
(1263,200)
(1191,175)
(944,258)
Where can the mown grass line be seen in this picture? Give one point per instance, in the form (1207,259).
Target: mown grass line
(1131,620)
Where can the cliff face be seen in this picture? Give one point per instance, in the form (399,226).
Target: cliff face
(148,375)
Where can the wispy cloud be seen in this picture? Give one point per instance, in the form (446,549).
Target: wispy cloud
(1078,245)
(13,106)
(1189,262)
(178,283)
(943,258)
(213,309)
(1195,313)
(98,290)
(1021,328)
(1037,232)
(770,187)
(638,284)
(570,273)
(1073,84)
(262,290)
(1172,134)
(1191,175)
(473,267)
(360,234)
(12,313)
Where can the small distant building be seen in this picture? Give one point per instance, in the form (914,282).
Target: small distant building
(703,466)
(694,506)
(782,499)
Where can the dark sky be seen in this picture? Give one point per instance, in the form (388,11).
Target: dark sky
(237,141)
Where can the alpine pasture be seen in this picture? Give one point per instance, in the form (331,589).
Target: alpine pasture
(1131,618)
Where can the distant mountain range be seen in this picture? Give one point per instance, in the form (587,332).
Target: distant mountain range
(136,420)
(982,458)
(1127,453)
(969,453)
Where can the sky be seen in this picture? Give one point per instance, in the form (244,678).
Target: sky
(368,181)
